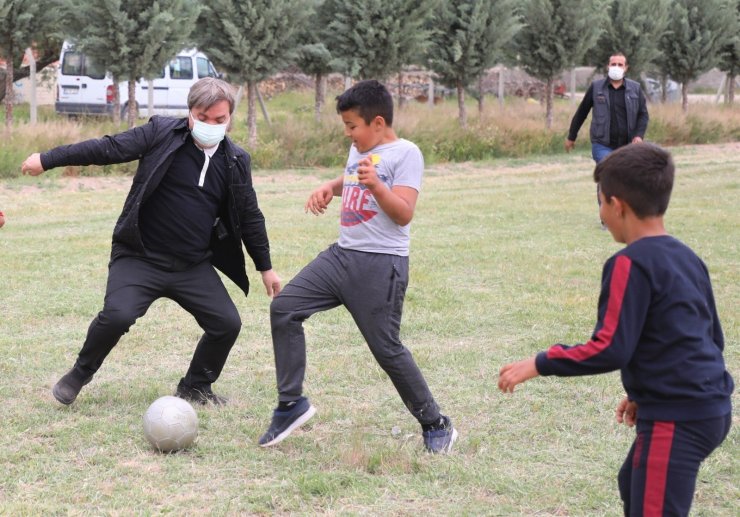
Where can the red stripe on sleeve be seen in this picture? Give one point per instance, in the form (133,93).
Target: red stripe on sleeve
(656,470)
(617,287)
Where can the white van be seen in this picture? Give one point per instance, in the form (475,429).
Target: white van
(85,89)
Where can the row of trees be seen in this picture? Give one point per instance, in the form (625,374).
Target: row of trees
(457,39)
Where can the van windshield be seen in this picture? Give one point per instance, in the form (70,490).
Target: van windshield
(77,63)
(205,68)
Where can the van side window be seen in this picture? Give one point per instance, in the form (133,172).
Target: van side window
(181,68)
(76,63)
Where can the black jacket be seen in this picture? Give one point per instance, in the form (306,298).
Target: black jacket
(597,97)
(154,145)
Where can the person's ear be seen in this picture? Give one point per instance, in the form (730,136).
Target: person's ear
(378,122)
(619,206)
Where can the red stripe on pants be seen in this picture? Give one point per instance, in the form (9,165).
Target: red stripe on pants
(656,470)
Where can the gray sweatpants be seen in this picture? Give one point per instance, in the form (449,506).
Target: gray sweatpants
(372,287)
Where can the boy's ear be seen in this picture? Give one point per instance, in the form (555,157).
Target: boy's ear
(379,122)
(620,206)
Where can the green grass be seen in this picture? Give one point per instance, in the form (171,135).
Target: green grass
(506,259)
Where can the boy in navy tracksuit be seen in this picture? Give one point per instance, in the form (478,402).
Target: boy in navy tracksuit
(658,324)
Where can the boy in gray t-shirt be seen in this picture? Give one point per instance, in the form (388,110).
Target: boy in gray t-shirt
(366,270)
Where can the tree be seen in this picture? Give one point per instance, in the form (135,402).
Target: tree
(468,37)
(23,22)
(312,56)
(131,39)
(634,28)
(730,56)
(697,32)
(377,38)
(556,36)
(251,40)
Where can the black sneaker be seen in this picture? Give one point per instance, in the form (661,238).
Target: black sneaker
(202,394)
(68,387)
(283,422)
(440,437)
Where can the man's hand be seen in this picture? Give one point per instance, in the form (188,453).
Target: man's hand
(272,282)
(516,373)
(569,145)
(627,412)
(32,165)
(637,140)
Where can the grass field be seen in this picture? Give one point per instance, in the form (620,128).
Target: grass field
(506,259)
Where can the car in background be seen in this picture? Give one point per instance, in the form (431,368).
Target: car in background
(83,88)
(654,90)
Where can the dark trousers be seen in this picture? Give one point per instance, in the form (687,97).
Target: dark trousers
(659,475)
(372,287)
(134,284)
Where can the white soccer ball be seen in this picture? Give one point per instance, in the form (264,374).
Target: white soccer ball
(170,424)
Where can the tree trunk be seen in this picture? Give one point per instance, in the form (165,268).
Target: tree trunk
(480,96)
(548,101)
(9,93)
(685,97)
(252,114)
(116,102)
(730,89)
(663,89)
(319,98)
(463,115)
(262,105)
(132,109)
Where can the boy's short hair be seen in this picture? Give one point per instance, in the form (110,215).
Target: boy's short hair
(209,91)
(641,175)
(369,99)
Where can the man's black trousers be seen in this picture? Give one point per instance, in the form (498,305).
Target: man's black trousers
(135,283)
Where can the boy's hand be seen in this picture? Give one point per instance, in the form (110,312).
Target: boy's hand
(320,199)
(516,373)
(627,412)
(366,173)
(32,165)
(272,282)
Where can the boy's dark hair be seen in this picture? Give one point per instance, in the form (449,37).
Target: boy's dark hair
(639,174)
(369,99)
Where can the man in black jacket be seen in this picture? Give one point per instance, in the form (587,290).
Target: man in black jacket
(190,207)
(620,114)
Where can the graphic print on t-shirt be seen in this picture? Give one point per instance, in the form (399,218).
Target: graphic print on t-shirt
(358,203)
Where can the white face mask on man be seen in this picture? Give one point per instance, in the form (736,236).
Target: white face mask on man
(616,73)
(208,135)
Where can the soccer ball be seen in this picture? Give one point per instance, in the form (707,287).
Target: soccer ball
(170,424)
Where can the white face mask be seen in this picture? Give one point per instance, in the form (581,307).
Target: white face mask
(208,135)
(616,73)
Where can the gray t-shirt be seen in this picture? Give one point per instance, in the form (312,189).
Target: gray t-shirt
(363,224)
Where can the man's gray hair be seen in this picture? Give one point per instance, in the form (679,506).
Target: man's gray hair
(209,91)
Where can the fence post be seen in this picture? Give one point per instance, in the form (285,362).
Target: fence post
(32,77)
